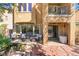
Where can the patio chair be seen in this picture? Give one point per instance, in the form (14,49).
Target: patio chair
(23,37)
(13,35)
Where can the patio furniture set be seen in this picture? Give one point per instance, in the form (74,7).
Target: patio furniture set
(22,45)
(24,36)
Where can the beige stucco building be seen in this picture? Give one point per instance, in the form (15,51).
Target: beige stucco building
(47,19)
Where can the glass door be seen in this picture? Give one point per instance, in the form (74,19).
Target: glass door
(55,31)
(23,28)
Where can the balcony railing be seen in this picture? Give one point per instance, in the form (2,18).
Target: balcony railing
(57,10)
(59,18)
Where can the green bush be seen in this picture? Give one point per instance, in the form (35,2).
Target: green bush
(4,42)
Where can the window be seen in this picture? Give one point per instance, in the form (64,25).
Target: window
(19,6)
(18,28)
(36,29)
(24,28)
(25,7)
(64,10)
(52,10)
(58,10)
(29,6)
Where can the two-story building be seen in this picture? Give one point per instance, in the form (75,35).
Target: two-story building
(48,19)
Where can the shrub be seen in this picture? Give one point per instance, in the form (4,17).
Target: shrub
(4,42)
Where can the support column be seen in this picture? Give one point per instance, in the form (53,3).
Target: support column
(45,22)
(45,31)
(71,31)
(71,40)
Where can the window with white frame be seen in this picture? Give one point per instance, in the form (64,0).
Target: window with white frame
(25,7)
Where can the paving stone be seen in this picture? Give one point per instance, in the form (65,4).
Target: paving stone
(58,50)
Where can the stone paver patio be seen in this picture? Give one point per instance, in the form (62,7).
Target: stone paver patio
(56,49)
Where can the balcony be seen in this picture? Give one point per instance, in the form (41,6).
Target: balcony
(23,14)
(58,10)
(58,14)
(59,18)
(22,17)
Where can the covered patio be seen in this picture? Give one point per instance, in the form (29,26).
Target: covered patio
(67,29)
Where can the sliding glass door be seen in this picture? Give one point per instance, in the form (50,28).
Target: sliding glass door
(29,29)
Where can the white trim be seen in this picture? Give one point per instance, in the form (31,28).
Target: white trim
(27,7)
(22,8)
(59,15)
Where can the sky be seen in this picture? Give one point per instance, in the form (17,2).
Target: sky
(76,6)
(7,5)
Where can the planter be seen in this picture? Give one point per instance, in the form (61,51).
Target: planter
(63,39)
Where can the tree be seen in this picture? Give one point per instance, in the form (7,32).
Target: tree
(2,9)
(5,42)
(6,6)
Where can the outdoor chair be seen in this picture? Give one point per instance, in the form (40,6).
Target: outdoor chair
(13,36)
(23,37)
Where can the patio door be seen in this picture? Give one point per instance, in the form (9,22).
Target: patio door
(23,28)
(55,31)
